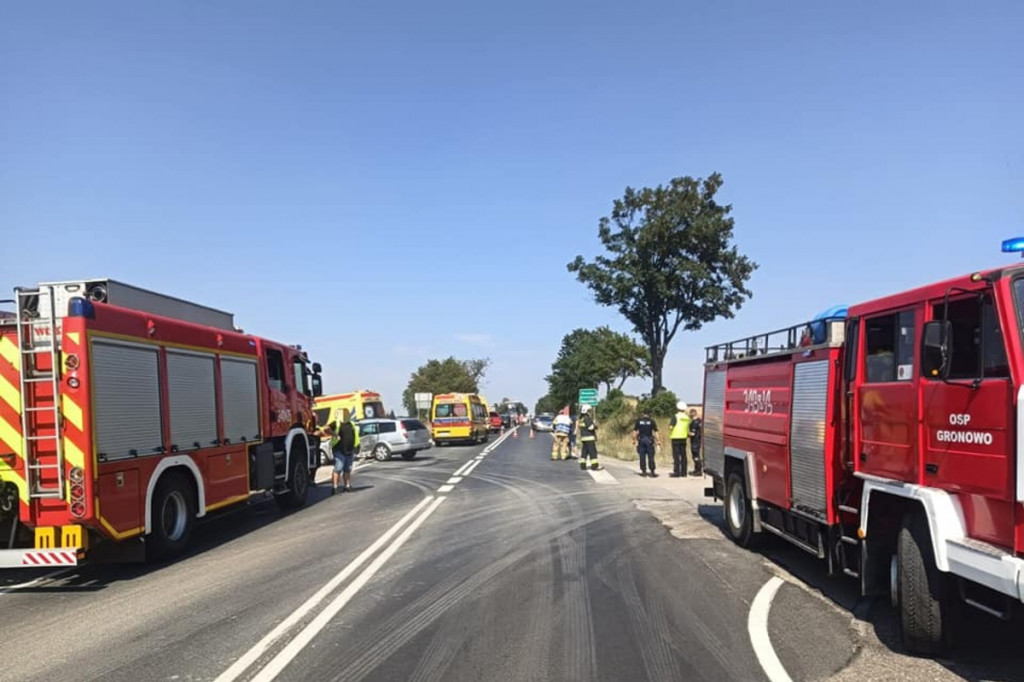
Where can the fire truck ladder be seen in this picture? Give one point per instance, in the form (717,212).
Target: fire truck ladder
(37,336)
(849,546)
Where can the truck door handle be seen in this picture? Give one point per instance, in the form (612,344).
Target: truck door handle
(931,468)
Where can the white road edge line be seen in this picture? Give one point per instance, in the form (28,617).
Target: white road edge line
(257,650)
(286,655)
(757,626)
(446,489)
(454,479)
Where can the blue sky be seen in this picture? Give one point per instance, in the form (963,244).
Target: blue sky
(390,183)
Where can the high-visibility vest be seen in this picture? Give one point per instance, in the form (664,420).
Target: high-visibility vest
(681,430)
(336,438)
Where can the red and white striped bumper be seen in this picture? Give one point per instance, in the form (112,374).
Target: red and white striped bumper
(38,558)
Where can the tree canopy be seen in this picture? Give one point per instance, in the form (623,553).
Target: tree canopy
(589,358)
(444,376)
(670,263)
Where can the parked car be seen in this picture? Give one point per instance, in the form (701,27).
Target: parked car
(495,421)
(543,422)
(383,438)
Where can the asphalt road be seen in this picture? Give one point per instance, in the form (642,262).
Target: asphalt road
(518,569)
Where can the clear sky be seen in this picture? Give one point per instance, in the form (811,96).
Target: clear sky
(399,181)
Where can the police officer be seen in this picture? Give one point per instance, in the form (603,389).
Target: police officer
(586,430)
(679,434)
(645,436)
(695,434)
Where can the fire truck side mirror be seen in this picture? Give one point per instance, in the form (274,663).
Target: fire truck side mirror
(317,368)
(936,352)
(317,385)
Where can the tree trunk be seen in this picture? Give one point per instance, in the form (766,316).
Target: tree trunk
(657,365)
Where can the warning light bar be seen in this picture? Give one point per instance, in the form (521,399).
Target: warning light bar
(1014,245)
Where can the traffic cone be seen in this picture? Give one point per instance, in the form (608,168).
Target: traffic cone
(515,433)
(531,433)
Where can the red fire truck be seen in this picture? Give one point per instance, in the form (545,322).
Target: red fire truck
(125,415)
(887,442)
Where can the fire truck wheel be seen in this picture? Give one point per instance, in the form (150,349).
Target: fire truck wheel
(926,605)
(173,514)
(381,453)
(298,481)
(737,511)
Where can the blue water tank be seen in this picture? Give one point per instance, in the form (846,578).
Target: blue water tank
(818,321)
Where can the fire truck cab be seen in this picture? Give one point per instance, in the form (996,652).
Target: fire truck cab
(888,442)
(126,415)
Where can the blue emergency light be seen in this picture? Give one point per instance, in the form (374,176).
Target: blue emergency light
(1015,245)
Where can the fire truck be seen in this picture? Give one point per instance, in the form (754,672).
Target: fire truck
(125,415)
(888,442)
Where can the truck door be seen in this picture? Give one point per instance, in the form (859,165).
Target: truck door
(280,404)
(887,419)
(967,442)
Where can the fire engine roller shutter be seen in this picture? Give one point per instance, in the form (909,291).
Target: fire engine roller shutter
(807,436)
(241,401)
(126,399)
(714,416)
(193,399)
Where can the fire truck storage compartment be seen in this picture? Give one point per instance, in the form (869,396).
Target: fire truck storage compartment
(808,426)
(192,394)
(126,399)
(261,466)
(714,415)
(241,399)
(128,296)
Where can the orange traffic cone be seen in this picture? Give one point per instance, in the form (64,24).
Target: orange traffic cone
(531,433)
(515,432)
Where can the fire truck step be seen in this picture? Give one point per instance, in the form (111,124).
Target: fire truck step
(37,379)
(850,572)
(848,510)
(849,540)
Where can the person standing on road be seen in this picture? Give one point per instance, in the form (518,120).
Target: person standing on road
(645,436)
(562,427)
(679,434)
(695,433)
(344,445)
(586,430)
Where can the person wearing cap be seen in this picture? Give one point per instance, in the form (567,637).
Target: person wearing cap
(695,434)
(586,430)
(679,434)
(645,436)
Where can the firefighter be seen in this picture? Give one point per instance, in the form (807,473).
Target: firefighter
(695,434)
(586,435)
(562,425)
(645,437)
(679,434)
(344,446)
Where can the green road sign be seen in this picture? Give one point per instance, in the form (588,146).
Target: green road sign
(588,396)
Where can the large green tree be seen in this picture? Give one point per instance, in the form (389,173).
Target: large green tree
(589,358)
(670,262)
(444,376)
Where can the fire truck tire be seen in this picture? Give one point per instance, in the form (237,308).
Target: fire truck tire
(926,606)
(173,515)
(298,481)
(738,512)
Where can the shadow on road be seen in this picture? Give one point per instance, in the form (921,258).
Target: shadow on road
(987,649)
(212,531)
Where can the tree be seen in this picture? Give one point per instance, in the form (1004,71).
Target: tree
(589,358)
(548,404)
(670,265)
(444,376)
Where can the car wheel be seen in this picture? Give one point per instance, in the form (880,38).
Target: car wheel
(381,453)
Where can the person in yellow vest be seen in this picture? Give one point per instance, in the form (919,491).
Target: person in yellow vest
(679,434)
(344,446)
(586,435)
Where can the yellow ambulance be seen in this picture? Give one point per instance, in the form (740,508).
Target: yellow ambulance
(459,417)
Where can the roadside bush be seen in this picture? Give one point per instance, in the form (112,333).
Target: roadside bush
(661,405)
(614,403)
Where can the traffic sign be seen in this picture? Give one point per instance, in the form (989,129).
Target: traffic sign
(588,396)
(423,400)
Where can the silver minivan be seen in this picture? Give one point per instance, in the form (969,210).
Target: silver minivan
(382,438)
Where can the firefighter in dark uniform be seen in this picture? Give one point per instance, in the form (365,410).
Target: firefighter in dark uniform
(586,429)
